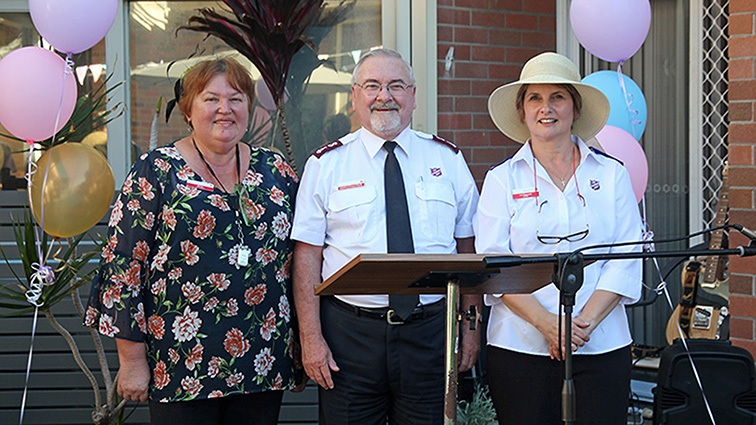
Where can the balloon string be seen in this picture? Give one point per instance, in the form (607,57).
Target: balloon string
(43,274)
(648,236)
(628,100)
(28,366)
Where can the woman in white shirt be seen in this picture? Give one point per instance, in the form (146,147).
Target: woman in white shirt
(557,195)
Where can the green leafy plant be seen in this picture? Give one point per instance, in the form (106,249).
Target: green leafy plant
(479,411)
(68,277)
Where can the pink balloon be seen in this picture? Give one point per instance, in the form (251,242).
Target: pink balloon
(72,26)
(32,81)
(623,146)
(613,30)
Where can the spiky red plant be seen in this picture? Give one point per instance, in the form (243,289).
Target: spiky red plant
(268,33)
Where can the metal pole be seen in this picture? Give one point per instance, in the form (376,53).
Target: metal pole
(452,317)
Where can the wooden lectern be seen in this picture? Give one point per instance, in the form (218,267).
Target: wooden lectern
(449,274)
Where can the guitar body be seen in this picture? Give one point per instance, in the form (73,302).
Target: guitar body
(703,308)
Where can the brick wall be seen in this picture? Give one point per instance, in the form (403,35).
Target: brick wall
(742,177)
(492,39)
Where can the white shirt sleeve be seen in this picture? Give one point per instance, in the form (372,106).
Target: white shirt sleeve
(310,213)
(623,277)
(467,200)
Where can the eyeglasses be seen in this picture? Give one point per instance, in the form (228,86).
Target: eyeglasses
(574,237)
(395,88)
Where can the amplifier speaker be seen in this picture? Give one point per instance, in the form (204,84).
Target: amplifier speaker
(727,376)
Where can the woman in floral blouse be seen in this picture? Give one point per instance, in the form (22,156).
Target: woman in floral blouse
(194,282)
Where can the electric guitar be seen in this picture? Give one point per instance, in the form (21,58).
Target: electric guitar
(703,309)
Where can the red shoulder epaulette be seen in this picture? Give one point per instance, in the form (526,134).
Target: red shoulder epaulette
(447,143)
(327,147)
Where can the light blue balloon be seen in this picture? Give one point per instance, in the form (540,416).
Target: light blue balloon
(632,119)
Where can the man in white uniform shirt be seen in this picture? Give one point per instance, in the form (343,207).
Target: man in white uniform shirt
(372,364)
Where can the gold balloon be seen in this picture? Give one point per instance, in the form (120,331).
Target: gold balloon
(78,190)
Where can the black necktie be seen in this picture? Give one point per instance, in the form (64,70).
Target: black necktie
(398,228)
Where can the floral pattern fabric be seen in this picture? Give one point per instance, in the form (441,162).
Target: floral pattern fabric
(169,277)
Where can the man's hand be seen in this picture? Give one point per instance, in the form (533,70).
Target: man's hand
(318,361)
(468,353)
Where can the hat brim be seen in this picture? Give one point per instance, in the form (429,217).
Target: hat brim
(503,111)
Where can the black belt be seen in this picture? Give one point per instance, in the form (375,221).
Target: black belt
(387,314)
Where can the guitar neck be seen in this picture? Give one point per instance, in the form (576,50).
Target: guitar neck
(713,261)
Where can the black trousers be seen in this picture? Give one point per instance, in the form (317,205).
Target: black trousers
(526,389)
(386,371)
(245,409)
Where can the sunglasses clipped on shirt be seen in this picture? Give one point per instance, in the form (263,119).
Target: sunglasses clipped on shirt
(574,237)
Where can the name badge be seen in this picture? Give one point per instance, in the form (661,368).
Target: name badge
(524,193)
(350,185)
(200,185)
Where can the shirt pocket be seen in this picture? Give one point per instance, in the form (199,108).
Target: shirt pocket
(438,212)
(353,211)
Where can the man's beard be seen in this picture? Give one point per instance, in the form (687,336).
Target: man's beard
(384,122)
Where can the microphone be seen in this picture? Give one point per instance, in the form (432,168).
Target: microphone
(750,234)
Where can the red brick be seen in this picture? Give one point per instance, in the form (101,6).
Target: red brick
(455,121)
(741,198)
(748,345)
(489,155)
(473,138)
(444,34)
(743,265)
(505,37)
(445,104)
(741,284)
(740,154)
(499,139)
(479,171)
(485,88)
(741,24)
(737,238)
(520,55)
(505,73)
(445,15)
(742,133)
(740,46)
(539,39)
(740,6)
(515,5)
(461,51)
(488,53)
(742,306)
(523,22)
(456,87)
(746,217)
(742,176)
(472,4)
(471,104)
(470,70)
(489,19)
(741,328)
(470,35)
(445,3)
(483,122)
(547,23)
(540,6)
(742,89)
(741,111)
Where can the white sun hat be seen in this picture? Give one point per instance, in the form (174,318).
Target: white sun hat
(548,68)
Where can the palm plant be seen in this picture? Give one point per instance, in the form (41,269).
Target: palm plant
(68,276)
(268,33)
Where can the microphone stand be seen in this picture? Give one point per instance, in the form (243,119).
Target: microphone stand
(568,276)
